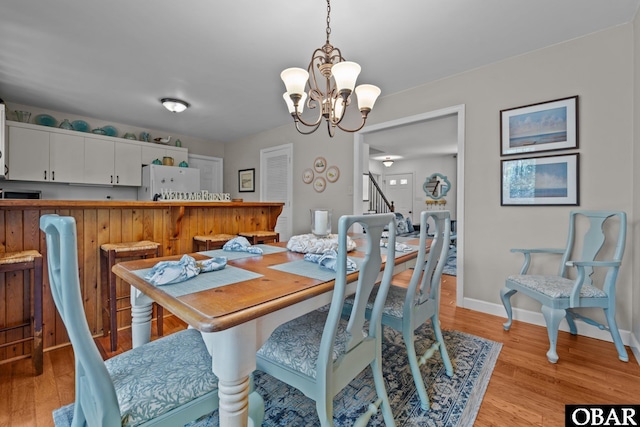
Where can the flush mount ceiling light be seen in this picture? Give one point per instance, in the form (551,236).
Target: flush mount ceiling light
(329,90)
(387,162)
(174,105)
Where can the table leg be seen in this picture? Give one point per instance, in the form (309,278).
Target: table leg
(234,359)
(141,314)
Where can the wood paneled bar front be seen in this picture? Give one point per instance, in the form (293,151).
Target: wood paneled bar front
(172,224)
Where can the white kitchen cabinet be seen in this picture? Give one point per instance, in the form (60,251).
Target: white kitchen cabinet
(128,164)
(36,155)
(111,162)
(99,155)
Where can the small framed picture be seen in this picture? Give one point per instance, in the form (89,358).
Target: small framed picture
(319,184)
(333,173)
(307,176)
(541,181)
(320,164)
(247,180)
(545,126)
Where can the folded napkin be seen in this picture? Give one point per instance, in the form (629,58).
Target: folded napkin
(241,244)
(329,260)
(400,247)
(168,272)
(310,244)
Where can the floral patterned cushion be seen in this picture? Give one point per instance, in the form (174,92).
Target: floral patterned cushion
(155,378)
(296,344)
(555,286)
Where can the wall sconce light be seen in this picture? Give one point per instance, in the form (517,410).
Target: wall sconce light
(175,105)
(387,162)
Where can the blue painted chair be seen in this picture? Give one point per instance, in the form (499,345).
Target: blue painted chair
(167,382)
(408,308)
(561,295)
(320,353)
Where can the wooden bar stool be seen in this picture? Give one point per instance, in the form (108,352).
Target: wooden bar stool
(109,253)
(260,236)
(212,241)
(31,263)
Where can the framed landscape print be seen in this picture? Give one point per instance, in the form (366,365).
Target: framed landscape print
(541,181)
(246,180)
(546,126)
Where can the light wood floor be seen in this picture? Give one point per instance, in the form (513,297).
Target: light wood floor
(525,389)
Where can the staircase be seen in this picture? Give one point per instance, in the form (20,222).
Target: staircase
(378,203)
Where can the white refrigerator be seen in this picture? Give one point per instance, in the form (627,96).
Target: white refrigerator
(158,180)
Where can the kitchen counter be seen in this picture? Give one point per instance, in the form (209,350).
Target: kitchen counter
(170,223)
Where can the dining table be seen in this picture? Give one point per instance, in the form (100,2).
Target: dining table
(238,307)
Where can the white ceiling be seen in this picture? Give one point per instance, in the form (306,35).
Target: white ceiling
(115,59)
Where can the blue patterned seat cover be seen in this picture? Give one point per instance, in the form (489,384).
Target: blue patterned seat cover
(555,286)
(181,372)
(296,344)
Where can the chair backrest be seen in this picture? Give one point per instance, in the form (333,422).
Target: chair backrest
(94,390)
(426,280)
(369,269)
(587,246)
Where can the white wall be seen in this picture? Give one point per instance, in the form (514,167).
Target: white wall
(633,248)
(598,68)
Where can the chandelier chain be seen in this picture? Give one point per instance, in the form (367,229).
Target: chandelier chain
(328,20)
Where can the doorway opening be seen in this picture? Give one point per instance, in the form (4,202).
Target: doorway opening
(361,166)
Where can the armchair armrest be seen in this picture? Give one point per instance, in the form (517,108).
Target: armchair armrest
(527,255)
(574,298)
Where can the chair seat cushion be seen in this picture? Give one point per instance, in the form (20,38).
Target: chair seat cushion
(296,344)
(155,378)
(555,286)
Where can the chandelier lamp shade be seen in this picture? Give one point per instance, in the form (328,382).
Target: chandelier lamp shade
(175,105)
(328,84)
(387,162)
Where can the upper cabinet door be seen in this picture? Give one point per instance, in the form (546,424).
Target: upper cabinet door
(128,164)
(99,159)
(28,155)
(66,158)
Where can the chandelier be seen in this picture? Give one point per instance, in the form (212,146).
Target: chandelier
(331,80)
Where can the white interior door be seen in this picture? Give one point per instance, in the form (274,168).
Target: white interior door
(211,172)
(399,189)
(276,184)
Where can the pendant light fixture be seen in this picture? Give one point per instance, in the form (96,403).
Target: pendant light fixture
(387,162)
(330,80)
(175,105)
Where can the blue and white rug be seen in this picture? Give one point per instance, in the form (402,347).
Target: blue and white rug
(451,267)
(454,401)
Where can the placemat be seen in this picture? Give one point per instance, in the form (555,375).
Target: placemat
(384,251)
(266,250)
(311,269)
(204,281)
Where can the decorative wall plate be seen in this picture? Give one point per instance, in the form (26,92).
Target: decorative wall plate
(319,164)
(307,176)
(333,173)
(319,184)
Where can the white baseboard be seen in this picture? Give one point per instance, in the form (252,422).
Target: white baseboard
(536,318)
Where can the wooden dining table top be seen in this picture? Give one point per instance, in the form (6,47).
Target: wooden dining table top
(226,306)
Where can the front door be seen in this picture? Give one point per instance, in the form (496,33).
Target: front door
(399,189)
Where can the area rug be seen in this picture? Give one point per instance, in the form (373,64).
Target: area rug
(454,401)
(451,267)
